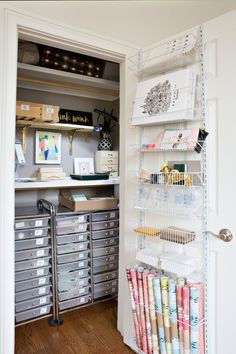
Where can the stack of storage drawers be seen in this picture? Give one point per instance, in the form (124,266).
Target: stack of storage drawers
(107,161)
(105,246)
(73,260)
(32,265)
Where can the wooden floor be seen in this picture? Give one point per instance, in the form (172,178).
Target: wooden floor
(90,330)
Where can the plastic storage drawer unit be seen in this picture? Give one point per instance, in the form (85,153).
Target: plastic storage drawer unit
(27,315)
(32,253)
(31,223)
(74,303)
(32,303)
(68,267)
(101,225)
(30,233)
(31,243)
(31,273)
(104,233)
(33,263)
(31,283)
(61,240)
(98,252)
(36,292)
(73,247)
(107,215)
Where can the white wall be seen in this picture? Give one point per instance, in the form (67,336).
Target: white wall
(138,22)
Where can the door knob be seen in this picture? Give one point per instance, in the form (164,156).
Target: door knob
(224,234)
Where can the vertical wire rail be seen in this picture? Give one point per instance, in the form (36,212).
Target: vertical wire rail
(205,172)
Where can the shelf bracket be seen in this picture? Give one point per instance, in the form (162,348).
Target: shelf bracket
(71,135)
(24,138)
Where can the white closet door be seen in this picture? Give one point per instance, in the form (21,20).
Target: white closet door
(220,93)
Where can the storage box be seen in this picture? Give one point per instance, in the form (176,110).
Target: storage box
(87,205)
(37,111)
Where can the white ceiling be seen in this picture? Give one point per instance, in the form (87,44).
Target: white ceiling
(138,22)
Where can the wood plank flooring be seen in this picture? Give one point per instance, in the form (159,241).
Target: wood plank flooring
(89,330)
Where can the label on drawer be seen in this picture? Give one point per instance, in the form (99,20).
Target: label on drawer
(39,241)
(81,282)
(82,300)
(42,281)
(81,273)
(111,258)
(38,223)
(81,247)
(50,110)
(112,214)
(21,235)
(42,291)
(81,238)
(81,255)
(112,223)
(25,107)
(38,232)
(40,271)
(81,218)
(40,262)
(43,310)
(20,225)
(81,291)
(43,300)
(40,253)
(81,227)
(81,264)
(111,232)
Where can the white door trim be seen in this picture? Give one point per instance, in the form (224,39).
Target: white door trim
(12,23)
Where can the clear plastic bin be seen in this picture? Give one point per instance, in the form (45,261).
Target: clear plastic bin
(31,243)
(66,295)
(32,303)
(65,239)
(31,223)
(32,263)
(32,253)
(73,247)
(68,267)
(72,257)
(111,241)
(71,229)
(74,303)
(30,233)
(31,273)
(69,284)
(32,283)
(37,312)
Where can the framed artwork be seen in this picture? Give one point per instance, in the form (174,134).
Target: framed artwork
(166,98)
(83,165)
(47,148)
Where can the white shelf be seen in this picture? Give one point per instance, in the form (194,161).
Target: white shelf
(53,126)
(55,81)
(66,183)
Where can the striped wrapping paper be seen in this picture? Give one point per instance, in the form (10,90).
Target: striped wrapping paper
(186,320)
(179,295)
(153,315)
(160,323)
(165,303)
(173,317)
(142,311)
(134,280)
(147,314)
(194,320)
(135,317)
(199,286)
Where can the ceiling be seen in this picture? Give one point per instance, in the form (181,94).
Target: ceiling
(137,22)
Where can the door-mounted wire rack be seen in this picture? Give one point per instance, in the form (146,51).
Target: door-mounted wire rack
(179,250)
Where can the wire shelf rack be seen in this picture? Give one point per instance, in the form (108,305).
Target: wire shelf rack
(173,178)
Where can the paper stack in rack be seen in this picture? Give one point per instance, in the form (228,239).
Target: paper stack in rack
(50,173)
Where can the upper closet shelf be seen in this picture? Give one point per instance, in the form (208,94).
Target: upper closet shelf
(61,82)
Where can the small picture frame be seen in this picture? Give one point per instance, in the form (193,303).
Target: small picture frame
(47,148)
(83,165)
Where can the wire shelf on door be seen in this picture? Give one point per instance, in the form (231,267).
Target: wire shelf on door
(173,178)
(173,146)
(170,234)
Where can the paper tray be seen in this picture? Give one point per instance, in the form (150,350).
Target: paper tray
(91,204)
(93,176)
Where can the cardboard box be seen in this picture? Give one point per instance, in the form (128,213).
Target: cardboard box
(90,204)
(37,112)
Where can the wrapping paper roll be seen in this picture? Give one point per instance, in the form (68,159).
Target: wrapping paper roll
(147,314)
(186,320)
(194,320)
(179,295)
(165,303)
(135,317)
(160,322)
(153,315)
(142,311)
(134,281)
(173,317)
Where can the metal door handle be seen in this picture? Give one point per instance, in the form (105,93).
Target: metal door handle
(224,234)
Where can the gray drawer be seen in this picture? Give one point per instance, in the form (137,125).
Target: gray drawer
(105,268)
(33,263)
(32,283)
(106,242)
(32,253)
(107,215)
(30,233)
(32,243)
(31,273)
(72,257)
(99,261)
(66,229)
(65,220)
(101,225)
(30,304)
(31,223)
(105,285)
(61,240)
(98,252)
(104,277)
(72,283)
(66,295)
(27,315)
(29,294)
(108,292)
(75,302)
(64,268)
(77,274)
(105,233)
(73,247)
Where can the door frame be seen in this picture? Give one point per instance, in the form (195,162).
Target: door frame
(12,23)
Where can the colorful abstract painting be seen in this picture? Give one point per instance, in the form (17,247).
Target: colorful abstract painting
(47,148)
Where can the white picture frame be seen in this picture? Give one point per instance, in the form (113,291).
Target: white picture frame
(83,165)
(47,148)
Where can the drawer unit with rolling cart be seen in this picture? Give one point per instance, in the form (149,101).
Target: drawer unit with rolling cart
(105,253)
(33,262)
(73,259)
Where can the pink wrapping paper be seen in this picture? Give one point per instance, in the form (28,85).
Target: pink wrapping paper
(179,294)
(186,320)
(142,311)
(147,314)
